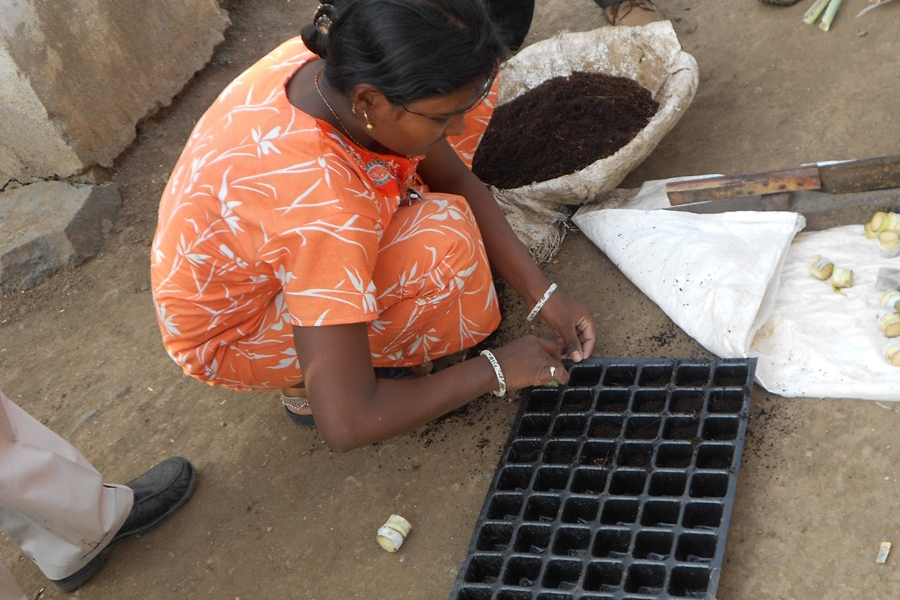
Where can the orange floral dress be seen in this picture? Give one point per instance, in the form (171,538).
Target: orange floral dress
(273,218)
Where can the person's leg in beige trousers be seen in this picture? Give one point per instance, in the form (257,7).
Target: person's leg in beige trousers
(53,503)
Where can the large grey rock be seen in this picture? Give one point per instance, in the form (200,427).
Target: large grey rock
(76,76)
(50,225)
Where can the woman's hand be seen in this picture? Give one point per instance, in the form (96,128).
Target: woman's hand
(530,360)
(573,323)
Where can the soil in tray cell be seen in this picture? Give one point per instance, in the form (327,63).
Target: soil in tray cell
(560,127)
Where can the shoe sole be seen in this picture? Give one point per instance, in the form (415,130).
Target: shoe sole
(82,576)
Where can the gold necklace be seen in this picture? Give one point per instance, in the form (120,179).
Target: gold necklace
(341,123)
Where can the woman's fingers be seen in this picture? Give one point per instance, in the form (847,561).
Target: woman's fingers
(587,333)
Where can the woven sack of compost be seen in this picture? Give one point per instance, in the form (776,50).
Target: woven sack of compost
(651,56)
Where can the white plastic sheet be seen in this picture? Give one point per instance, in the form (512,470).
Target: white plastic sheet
(739,284)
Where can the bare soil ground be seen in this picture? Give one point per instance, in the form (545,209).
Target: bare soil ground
(276,515)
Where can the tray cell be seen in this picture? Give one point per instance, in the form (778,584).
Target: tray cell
(619,512)
(533,539)
(620,376)
(534,426)
(681,428)
(576,401)
(603,577)
(634,455)
(515,478)
(709,485)
(715,456)
(542,401)
(494,538)
(655,376)
(689,582)
(542,508)
(505,507)
(692,376)
(569,427)
(702,515)
(562,574)
(627,483)
(613,401)
(674,456)
(731,375)
(653,545)
(611,543)
(524,452)
(605,427)
(585,375)
(484,569)
(642,428)
(572,541)
(720,429)
(473,593)
(589,481)
(580,510)
(551,479)
(686,402)
(660,513)
(514,595)
(522,571)
(560,453)
(695,547)
(649,401)
(645,579)
(726,401)
(668,483)
(597,454)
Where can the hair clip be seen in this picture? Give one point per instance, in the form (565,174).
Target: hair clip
(322,19)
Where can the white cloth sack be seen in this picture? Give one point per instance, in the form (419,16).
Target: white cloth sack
(739,284)
(650,55)
(709,273)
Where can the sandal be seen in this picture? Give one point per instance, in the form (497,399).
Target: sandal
(294,403)
(630,13)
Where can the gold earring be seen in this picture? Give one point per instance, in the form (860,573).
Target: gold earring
(369,125)
(353,108)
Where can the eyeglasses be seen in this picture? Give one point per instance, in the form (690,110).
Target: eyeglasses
(481,96)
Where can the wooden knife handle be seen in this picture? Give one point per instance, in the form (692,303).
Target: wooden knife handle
(741,186)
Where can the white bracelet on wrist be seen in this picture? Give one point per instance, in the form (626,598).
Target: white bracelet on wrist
(540,303)
(497,371)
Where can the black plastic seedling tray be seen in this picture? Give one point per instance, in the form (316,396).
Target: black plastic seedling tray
(617,486)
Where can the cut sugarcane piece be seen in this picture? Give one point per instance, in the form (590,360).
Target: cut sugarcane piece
(869,232)
(821,267)
(830,12)
(892,351)
(393,532)
(841,278)
(889,243)
(810,16)
(884,221)
(890,300)
(890,324)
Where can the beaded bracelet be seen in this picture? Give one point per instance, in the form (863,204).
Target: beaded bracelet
(497,371)
(540,303)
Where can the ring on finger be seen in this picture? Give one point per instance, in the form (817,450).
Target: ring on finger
(553,373)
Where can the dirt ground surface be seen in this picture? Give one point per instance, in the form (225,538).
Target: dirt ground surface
(277,515)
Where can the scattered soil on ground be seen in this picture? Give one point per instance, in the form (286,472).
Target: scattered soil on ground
(571,122)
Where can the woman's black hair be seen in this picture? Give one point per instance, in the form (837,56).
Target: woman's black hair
(409,49)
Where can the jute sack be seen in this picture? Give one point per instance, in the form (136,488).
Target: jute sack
(650,55)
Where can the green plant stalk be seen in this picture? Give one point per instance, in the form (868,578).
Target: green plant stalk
(828,17)
(814,11)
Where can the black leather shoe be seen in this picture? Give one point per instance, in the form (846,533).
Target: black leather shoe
(157,494)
